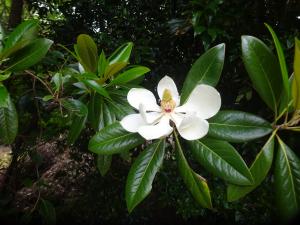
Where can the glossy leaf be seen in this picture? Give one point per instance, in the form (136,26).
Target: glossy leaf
(96,87)
(114,139)
(121,54)
(78,123)
(238,126)
(282,63)
(86,50)
(79,116)
(2,34)
(75,106)
(4,76)
(259,170)
(8,123)
(30,55)
(4,96)
(103,163)
(102,64)
(25,31)
(142,173)
(196,184)
(206,70)
(113,69)
(286,101)
(221,159)
(95,114)
(287,181)
(130,75)
(263,69)
(296,80)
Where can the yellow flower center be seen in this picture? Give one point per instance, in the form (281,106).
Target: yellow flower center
(167,103)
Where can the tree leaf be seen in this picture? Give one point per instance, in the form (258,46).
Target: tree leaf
(259,170)
(29,55)
(221,159)
(206,70)
(287,180)
(121,54)
(103,163)
(8,122)
(282,63)
(79,116)
(130,75)
(196,184)
(86,50)
(75,106)
(296,80)
(4,96)
(95,115)
(2,34)
(142,173)
(114,139)
(102,64)
(96,87)
(238,126)
(25,31)
(47,211)
(78,123)
(112,69)
(263,69)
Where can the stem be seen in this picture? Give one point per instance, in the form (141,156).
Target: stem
(40,80)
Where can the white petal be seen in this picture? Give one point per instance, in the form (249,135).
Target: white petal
(176,118)
(149,117)
(168,83)
(132,122)
(137,96)
(204,99)
(193,128)
(162,129)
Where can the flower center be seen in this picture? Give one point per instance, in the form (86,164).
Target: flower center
(167,103)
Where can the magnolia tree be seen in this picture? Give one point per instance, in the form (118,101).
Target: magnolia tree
(103,94)
(192,121)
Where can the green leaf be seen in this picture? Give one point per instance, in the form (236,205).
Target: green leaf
(4,96)
(196,184)
(296,80)
(86,50)
(238,126)
(286,101)
(121,54)
(259,170)
(103,163)
(79,116)
(206,70)
(112,69)
(263,69)
(5,76)
(8,122)
(114,139)
(282,63)
(78,123)
(142,173)
(2,34)
(75,106)
(221,159)
(287,181)
(130,75)
(25,31)
(102,64)
(96,87)
(95,114)
(47,211)
(30,55)
(57,80)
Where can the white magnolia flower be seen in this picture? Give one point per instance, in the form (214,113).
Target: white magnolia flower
(153,121)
